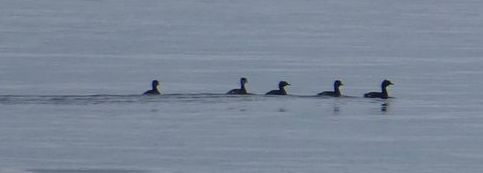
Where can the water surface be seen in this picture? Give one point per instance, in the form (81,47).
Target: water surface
(71,75)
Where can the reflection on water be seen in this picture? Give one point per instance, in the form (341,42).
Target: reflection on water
(117,99)
(282,110)
(339,103)
(384,107)
(228,102)
(85,171)
(336,109)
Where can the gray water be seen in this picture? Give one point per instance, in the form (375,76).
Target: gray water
(71,75)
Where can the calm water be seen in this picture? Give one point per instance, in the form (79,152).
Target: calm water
(71,75)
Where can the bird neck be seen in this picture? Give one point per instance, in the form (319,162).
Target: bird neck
(243,88)
(155,88)
(384,91)
(282,90)
(337,90)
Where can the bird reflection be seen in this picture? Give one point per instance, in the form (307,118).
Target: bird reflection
(338,106)
(336,109)
(282,110)
(385,107)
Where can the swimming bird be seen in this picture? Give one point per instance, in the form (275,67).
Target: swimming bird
(382,94)
(242,90)
(335,93)
(154,90)
(281,89)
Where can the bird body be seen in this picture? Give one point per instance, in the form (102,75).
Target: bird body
(242,90)
(154,90)
(383,94)
(281,89)
(335,93)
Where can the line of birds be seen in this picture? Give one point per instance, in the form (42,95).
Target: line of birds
(281,89)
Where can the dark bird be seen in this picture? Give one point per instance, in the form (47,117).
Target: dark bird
(154,90)
(335,93)
(383,94)
(242,90)
(281,89)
